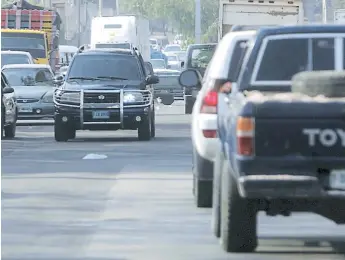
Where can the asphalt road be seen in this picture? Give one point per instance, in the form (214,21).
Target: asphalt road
(132,203)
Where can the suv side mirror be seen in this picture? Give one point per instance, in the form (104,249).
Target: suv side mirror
(182,64)
(152,79)
(7,90)
(190,78)
(58,80)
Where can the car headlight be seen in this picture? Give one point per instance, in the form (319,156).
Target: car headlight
(48,98)
(71,97)
(133,97)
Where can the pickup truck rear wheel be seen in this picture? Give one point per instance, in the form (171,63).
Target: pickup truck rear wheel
(10,130)
(153,123)
(144,129)
(238,217)
(217,172)
(314,83)
(188,105)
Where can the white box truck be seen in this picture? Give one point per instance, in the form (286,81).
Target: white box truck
(255,12)
(123,32)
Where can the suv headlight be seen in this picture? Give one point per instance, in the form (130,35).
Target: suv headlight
(132,97)
(71,97)
(47,98)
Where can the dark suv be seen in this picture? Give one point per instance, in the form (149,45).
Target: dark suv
(105,90)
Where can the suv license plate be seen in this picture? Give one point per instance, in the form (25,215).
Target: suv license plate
(100,114)
(337,179)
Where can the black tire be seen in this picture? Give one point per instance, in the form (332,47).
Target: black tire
(202,189)
(144,129)
(10,130)
(2,121)
(153,123)
(72,133)
(313,83)
(188,107)
(217,172)
(238,217)
(61,131)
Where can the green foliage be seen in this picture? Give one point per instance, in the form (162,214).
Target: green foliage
(180,14)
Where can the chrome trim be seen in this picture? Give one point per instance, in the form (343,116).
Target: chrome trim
(121,107)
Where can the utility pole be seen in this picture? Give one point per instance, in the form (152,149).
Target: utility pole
(117,7)
(197,21)
(100,7)
(79,21)
(324,11)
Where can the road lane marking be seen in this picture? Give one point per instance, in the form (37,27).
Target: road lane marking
(94,156)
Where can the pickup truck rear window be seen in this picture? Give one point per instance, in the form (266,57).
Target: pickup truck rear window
(237,59)
(283,58)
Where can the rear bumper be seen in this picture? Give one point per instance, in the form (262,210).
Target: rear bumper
(287,177)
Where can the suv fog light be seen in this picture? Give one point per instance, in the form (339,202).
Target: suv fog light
(64,119)
(138,118)
(38,111)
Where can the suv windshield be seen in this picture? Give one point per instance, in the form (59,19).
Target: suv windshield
(158,64)
(105,65)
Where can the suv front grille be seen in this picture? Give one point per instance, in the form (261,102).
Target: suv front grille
(108,98)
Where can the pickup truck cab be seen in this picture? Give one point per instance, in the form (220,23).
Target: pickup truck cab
(281,150)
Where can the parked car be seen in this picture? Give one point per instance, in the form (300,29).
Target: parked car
(8,109)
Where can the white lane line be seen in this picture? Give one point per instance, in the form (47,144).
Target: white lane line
(94,156)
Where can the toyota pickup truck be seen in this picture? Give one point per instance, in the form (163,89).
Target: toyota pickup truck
(282,133)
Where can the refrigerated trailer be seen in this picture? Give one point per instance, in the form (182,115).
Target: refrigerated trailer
(255,12)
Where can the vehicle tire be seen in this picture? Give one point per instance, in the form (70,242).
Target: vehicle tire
(238,217)
(2,121)
(72,133)
(153,123)
(10,130)
(188,107)
(61,131)
(202,189)
(144,129)
(217,172)
(313,83)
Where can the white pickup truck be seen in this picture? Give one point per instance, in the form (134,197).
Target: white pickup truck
(248,12)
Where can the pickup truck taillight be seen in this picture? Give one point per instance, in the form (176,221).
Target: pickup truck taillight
(209,103)
(245,134)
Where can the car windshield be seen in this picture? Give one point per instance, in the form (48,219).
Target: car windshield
(170,48)
(158,64)
(172,58)
(202,56)
(298,55)
(181,55)
(28,76)
(105,65)
(7,59)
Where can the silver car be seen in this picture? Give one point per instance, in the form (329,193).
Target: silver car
(34,88)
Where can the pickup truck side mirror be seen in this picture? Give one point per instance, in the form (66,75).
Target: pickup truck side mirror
(190,78)
(58,80)
(7,90)
(152,79)
(182,64)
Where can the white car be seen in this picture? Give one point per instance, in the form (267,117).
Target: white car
(171,49)
(226,60)
(16,57)
(173,62)
(154,44)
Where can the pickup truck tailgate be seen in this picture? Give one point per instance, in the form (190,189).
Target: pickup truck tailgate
(300,129)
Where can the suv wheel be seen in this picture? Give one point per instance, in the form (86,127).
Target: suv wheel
(144,129)
(61,132)
(238,217)
(10,130)
(153,123)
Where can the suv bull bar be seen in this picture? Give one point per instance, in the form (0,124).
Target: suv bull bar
(80,103)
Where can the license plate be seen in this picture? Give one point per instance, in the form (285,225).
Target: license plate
(25,110)
(100,114)
(337,179)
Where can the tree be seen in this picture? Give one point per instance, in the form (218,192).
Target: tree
(178,13)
